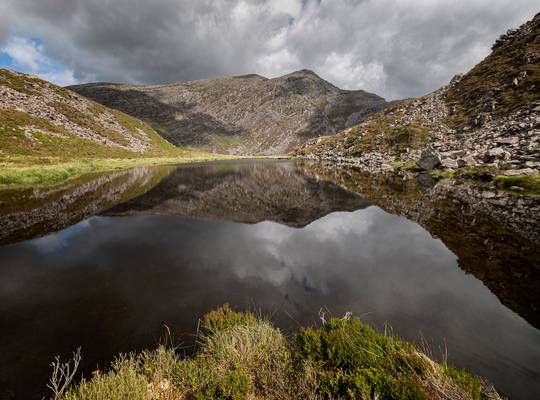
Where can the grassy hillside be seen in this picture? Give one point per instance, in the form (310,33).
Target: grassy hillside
(489,118)
(244,357)
(49,134)
(506,80)
(38,118)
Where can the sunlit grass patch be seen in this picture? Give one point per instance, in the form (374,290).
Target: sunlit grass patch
(26,171)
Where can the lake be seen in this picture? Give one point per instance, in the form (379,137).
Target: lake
(107,261)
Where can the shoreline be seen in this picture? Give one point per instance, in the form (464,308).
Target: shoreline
(22,172)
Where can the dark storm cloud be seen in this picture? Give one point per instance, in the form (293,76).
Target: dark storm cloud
(395,48)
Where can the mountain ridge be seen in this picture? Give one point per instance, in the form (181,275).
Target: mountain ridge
(245,114)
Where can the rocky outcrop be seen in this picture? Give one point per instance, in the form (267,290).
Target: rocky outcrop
(39,118)
(246,114)
(489,117)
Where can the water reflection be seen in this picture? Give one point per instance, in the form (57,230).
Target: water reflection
(246,192)
(34,212)
(109,283)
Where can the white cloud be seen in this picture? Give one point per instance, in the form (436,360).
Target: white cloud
(28,55)
(347,73)
(60,78)
(24,52)
(291,7)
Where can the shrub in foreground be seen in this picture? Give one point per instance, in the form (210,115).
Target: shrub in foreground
(245,357)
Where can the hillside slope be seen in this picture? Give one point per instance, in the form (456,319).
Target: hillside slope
(489,117)
(38,118)
(246,114)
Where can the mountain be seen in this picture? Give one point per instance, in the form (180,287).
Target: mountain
(246,114)
(38,118)
(489,117)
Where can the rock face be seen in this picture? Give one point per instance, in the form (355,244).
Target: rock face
(489,117)
(246,114)
(39,118)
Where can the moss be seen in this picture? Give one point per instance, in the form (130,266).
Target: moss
(529,184)
(443,174)
(483,174)
(406,166)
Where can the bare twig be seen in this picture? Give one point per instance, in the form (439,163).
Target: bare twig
(63,373)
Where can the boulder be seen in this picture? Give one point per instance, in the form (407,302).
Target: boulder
(468,161)
(509,140)
(429,159)
(497,153)
(449,163)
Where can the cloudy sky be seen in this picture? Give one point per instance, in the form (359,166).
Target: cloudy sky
(396,48)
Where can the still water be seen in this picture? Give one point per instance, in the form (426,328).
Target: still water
(105,262)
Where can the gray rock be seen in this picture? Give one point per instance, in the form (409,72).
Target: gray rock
(461,162)
(509,140)
(449,163)
(523,171)
(488,195)
(429,159)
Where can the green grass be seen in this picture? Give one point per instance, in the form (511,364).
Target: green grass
(522,184)
(245,357)
(45,171)
(529,184)
(406,166)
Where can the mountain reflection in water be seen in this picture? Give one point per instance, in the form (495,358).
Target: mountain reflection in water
(284,237)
